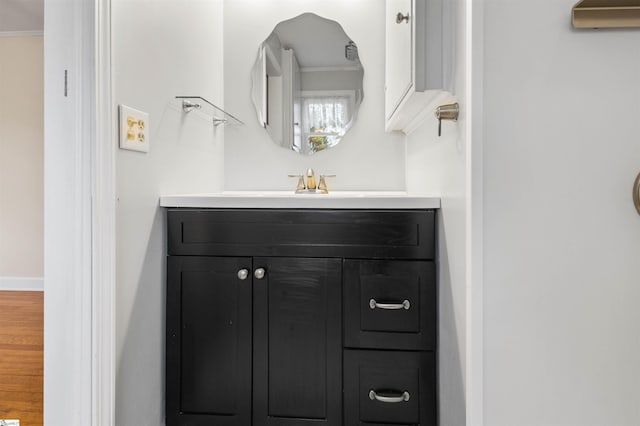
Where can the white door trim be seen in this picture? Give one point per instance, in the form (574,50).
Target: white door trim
(79,355)
(474,34)
(104,228)
(68,139)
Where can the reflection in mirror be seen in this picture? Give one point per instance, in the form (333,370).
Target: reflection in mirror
(307,83)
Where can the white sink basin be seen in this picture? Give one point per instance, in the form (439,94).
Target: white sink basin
(289,199)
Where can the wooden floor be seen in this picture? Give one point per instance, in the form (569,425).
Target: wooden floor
(21,356)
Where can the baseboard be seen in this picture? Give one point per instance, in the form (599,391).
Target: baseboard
(21,33)
(21,284)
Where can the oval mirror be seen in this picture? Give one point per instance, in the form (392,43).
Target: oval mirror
(307,83)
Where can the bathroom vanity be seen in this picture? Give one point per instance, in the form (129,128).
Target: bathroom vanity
(296,310)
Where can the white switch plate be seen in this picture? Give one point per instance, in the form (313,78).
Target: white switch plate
(134,129)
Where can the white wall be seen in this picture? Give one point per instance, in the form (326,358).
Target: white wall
(562,239)
(437,165)
(160,49)
(21,156)
(366,158)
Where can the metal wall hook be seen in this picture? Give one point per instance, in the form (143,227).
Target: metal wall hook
(636,193)
(606,14)
(446,112)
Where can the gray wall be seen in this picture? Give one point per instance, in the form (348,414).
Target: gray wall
(561,236)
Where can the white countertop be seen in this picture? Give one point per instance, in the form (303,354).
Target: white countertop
(288,199)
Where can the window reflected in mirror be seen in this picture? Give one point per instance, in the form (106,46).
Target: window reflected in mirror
(325,120)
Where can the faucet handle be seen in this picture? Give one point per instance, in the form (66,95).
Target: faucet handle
(322,184)
(300,186)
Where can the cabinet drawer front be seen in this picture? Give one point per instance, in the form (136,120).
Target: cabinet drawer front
(304,233)
(395,388)
(390,304)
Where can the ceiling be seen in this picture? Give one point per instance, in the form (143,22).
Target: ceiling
(317,42)
(21,15)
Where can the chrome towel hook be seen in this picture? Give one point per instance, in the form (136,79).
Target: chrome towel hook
(446,112)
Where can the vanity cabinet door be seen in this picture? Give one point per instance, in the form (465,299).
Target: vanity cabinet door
(297,338)
(208,363)
(414,60)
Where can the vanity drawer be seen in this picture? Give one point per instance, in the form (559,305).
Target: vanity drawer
(390,304)
(403,234)
(390,387)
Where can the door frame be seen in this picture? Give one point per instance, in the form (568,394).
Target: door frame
(474,77)
(79,237)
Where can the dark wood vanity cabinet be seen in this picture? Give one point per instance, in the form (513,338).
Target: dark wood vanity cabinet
(301,317)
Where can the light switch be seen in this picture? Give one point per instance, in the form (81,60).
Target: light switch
(134,128)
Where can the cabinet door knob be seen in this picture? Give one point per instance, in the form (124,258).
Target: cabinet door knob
(403,397)
(259,273)
(243,274)
(400,17)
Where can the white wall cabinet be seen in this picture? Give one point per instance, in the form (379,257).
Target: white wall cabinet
(414,61)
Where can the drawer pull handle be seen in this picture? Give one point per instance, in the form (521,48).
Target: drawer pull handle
(243,274)
(259,273)
(390,306)
(390,399)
